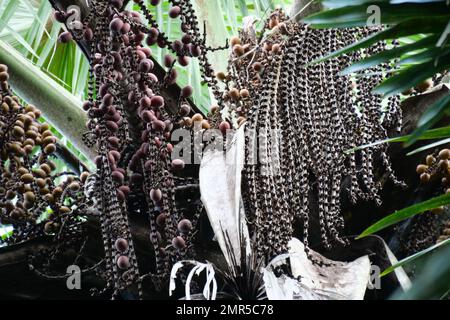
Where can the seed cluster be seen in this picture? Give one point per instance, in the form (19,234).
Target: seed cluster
(436,168)
(130,125)
(33,198)
(301,119)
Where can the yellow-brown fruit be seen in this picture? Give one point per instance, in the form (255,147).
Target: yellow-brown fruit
(28,142)
(34,128)
(84,176)
(235,41)
(44,191)
(424,86)
(57,192)
(206,125)
(18,132)
(234,94)
(187,122)
(50,148)
(276,48)
(214,109)
(267,47)
(40,173)
(444,154)
(46,133)
(421,168)
(31,134)
(49,198)
(48,140)
(30,197)
(430,160)
(37,113)
(4,76)
(40,183)
(283,28)
(247,47)
(44,127)
(5,108)
(15,107)
(273,23)
(238,50)
(244,93)
(258,67)
(16,149)
(17,214)
(197,117)
(27,120)
(19,123)
(443,164)
(22,170)
(51,164)
(64,209)
(10,194)
(221,76)
(29,108)
(425,177)
(32,116)
(74,186)
(46,168)
(51,227)
(28,149)
(27,178)
(28,205)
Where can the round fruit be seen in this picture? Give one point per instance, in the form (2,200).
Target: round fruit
(123,262)
(179,243)
(185,226)
(121,245)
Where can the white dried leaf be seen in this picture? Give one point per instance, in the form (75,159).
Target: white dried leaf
(220,188)
(333,280)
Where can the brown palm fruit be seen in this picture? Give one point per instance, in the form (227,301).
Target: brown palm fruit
(235,41)
(238,50)
(234,94)
(424,86)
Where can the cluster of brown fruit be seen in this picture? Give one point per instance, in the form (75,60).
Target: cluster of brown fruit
(248,59)
(436,167)
(197,120)
(27,181)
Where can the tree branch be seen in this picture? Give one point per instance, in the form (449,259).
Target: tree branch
(307,7)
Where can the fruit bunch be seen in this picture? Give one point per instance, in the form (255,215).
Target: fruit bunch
(34,198)
(302,119)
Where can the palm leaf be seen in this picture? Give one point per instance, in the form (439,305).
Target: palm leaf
(406,213)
